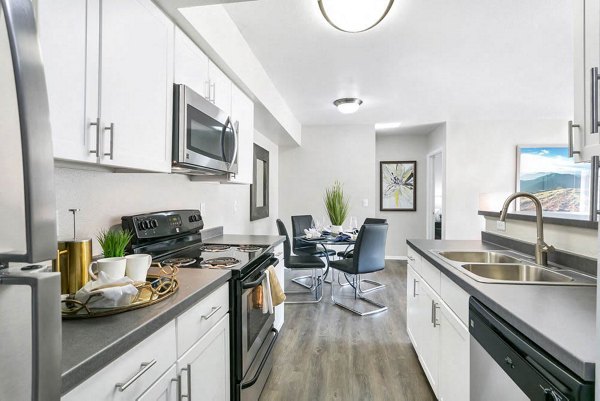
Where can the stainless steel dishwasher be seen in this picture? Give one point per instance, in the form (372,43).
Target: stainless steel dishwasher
(506,366)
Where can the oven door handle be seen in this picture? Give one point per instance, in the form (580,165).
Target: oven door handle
(251,382)
(256,282)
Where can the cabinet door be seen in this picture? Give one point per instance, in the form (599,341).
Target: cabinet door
(429,333)
(412,306)
(586,57)
(136,85)
(454,357)
(242,111)
(205,367)
(164,389)
(221,88)
(68,32)
(191,64)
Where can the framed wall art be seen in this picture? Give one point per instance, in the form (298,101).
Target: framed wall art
(398,186)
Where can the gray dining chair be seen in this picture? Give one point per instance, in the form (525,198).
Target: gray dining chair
(349,253)
(302,262)
(369,257)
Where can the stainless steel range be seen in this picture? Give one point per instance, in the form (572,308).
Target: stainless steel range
(174,237)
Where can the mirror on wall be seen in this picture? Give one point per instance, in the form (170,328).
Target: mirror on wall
(259,190)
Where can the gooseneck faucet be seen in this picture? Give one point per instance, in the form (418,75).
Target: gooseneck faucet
(541,248)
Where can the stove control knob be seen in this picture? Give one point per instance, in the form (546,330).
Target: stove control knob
(141,225)
(191,219)
(145,225)
(154,223)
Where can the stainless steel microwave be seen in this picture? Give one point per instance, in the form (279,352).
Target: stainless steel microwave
(205,139)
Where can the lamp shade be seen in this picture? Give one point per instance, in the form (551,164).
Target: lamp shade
(354,15)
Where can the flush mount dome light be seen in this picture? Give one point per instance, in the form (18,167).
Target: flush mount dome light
(354,15)
(347,105)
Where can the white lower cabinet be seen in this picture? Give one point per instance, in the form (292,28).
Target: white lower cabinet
(132,373)
(151,371)
(280,270)
(204,369)
(164,389)
(439,337)
(454,356)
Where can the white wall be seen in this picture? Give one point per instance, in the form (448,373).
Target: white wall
(328,153)
(404,224)
(481,158)
(104,197)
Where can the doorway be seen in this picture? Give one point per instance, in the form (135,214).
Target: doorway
(435,195)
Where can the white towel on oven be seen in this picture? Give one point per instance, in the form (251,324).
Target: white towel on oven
(267,297)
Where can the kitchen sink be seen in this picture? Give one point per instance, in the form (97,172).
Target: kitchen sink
(514,272)
(478,257)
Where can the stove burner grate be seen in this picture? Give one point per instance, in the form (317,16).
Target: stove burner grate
(215,248)
(221,263)
(179,261)
(249,248)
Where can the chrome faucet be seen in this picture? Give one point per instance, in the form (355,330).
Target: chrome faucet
(541,248)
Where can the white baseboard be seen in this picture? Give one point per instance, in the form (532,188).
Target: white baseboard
(396,257)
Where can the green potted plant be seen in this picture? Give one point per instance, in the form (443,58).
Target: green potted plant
(337,206)
(114,242)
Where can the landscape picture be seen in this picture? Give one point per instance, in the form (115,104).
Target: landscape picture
(549,173)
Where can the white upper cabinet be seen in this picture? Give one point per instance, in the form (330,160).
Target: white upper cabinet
(191,64)
(63,31)
(584,131)
(120,53)
(220,88)
(242,111)
(136,85)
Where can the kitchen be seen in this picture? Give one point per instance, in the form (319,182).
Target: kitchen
(110,69)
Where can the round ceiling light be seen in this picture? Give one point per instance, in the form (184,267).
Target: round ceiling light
(347,105)
(354,15)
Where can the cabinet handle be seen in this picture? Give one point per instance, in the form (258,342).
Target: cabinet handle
(415,281)
(143,369)
(207,90)
(97,125)
(214,92)
(434,319)
(411,258)
(111,128)
(571,148)
(214,310)
(187,396)
(594,92)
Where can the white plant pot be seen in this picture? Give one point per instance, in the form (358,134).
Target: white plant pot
(336,229)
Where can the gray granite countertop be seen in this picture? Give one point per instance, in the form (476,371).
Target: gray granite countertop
(91,344)
(235,239)
(559,319)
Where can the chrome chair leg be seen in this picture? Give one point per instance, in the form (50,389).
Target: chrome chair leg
(357,295)
(376,286)
(316,288)
(297,280)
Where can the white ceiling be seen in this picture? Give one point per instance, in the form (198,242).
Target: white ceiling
(428,61)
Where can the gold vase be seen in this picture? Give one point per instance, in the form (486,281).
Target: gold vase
(72,261)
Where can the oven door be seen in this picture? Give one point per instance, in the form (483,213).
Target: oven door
(206,138)
(256,325)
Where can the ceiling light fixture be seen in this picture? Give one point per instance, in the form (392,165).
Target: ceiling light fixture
(354,15)
(381,126)
(347,105)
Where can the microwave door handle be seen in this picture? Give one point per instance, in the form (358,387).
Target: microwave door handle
(234,128)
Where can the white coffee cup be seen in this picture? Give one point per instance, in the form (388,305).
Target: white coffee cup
(137,266)
(112,267)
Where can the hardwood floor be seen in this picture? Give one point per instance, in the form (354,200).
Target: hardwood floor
(327,353)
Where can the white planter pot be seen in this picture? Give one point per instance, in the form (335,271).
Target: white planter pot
(336,229)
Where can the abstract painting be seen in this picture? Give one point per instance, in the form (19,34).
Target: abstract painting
(398,186)
(554,178)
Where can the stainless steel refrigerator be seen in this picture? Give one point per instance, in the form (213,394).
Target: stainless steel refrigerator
(30,325)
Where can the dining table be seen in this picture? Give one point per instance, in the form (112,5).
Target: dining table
(327,240)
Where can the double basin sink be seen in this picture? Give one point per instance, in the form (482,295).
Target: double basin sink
(503,267)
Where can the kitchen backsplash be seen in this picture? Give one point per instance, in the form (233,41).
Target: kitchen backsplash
(104,197)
